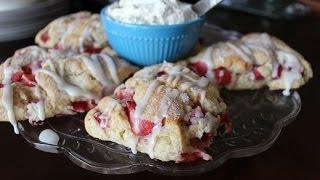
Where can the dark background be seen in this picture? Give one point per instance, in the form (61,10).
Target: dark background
(296,154)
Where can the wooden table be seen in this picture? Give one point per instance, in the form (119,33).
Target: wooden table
(296,155)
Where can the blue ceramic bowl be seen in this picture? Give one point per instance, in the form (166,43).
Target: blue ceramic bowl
(146,45)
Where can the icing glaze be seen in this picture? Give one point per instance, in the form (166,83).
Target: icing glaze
(7,97)
(111,67)
(71,90)
(49,136)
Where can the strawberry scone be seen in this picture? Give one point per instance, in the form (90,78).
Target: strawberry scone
(80,32)
(165,111)
(36,84)
(254,61)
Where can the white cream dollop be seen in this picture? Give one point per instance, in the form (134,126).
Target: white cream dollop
(151,12)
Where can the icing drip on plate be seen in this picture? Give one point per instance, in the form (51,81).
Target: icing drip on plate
(49,136)
(7,97)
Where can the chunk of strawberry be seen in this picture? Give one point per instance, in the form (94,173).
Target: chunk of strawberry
(16,77)
(140,127)
(161,73)
(102,120)
(1,85)
(82,106)
(57,46)
(257,75)
(199,68)
(223,76)
(45,37)
(125,94)
(89,48)
(280,69)
(27,69)
(226,121)
(24,76)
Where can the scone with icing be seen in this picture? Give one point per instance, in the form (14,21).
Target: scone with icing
(165,111)
(36,84)
(79,32)
(254,61)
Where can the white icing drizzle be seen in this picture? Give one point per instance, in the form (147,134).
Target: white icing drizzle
(133,142)
(151,139)
(111,67)
(288,60)
(49,136)
(40,105)
(177,73)
(239,51)
(202,97)
(275,67)
(95,69)
(207,57)
(266,40)
(292,69)
(71,27)
(7,97)
(35,112)
(85,33)
(71,90)
(142,104)
(261,48)
(289,78)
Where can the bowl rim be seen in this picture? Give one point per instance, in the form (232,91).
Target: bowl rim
(104,15)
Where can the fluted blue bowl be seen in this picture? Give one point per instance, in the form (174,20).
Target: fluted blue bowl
(145,45)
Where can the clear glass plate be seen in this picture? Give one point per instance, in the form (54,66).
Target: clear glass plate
(258,118)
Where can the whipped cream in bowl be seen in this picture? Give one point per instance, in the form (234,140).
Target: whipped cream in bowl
(152,12)
(148,32)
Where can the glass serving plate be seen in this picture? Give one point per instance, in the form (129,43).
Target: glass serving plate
(258,118)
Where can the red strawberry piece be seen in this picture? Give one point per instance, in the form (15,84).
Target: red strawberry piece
(1,85)
(146,127)
(190,157)
(280,69)
(258,76)
(161,73)
(27,69)
(199,68)
(226,121)
(125,94)
(45,37)
(223,76)
(91,49)
(139,127)
(82,106)
(57,46)
(16,77)
(103,121)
